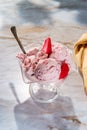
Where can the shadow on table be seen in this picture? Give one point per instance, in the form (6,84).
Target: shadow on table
(36,116)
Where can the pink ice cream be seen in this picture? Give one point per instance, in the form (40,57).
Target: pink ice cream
(47,70)
(40,66)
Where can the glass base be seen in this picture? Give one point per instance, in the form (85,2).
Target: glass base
(43,93)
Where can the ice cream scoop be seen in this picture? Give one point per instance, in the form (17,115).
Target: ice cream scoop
(48,70)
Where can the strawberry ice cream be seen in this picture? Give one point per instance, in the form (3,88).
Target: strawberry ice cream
(47,70)
(51,62)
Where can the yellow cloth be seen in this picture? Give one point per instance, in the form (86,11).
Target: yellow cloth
(80,53)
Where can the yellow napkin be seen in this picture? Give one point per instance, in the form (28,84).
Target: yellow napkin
(80,53)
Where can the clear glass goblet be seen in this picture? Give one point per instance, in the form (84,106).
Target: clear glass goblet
(43,91)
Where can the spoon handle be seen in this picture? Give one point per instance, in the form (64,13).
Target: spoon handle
(14,32)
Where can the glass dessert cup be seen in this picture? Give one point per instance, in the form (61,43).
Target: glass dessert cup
(48,90)
(44,92)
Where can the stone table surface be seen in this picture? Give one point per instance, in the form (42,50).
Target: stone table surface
(17,110)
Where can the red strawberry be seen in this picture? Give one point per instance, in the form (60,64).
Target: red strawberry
(47,47)
(64,70)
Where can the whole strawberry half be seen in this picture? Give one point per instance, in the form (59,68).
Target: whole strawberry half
(47,47)
(64,70)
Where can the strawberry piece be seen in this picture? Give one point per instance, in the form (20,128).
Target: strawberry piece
(64,70)
(47,47)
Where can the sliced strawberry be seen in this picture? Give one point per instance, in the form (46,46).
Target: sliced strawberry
(64,70)
(47,47)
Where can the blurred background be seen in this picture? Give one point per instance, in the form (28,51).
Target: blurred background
(42,12)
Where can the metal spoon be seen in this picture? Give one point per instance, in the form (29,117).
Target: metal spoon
(14,32)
